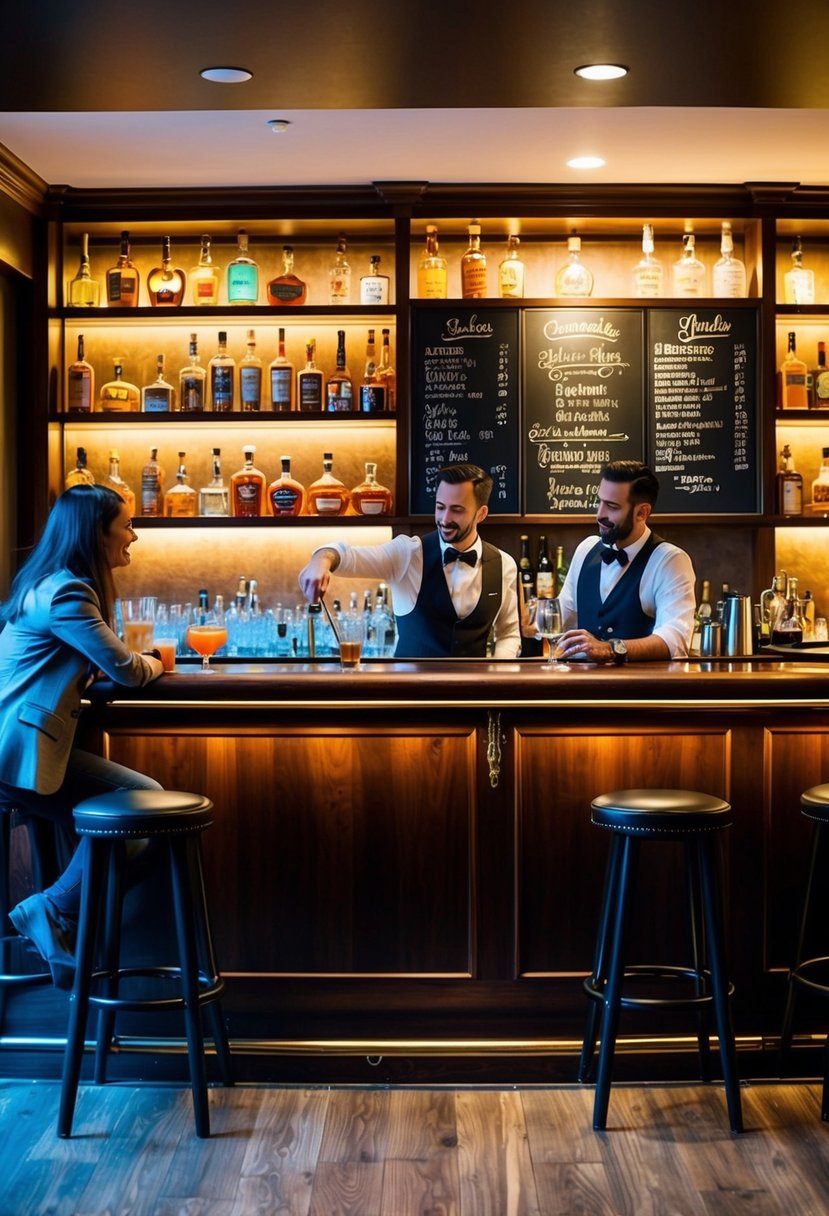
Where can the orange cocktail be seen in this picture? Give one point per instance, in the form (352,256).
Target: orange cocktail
(206,640)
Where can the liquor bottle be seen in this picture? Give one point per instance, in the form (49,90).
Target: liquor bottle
(80,475)
(152,487)
(773,605)
(310,381)
(282,379)
(372,391)
(160,396)
(473,266)
(374,286)
(204,277)
(526,572)
(511,271)
(122,279)
(166,283)
(819,399)
(820,485)
(647,273)
(792,379)
(339,389)
(431,269)
(247,487)
(286,288)
(789,485)
(214,498)
(573,278)
(286,495)
(80,387)
(116,482)
(339,275)
(789,631)
(327,495)
(703,613)
(809,610)
(799,280)
(562,566)
(83,291)
(191,380)
(250,377)
(729,274)
(688,272)
(369,497)
(386,373)
(181,499)
(119,395)
(544,572)
(222,375)
(242,275)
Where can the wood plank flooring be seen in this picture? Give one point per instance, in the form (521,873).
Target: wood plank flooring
(414,1152)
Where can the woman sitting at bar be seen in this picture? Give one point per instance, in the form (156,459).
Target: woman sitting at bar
(57,635)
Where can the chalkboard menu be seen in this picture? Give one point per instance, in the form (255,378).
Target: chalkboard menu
(702,408)
(465,403)
(583,402)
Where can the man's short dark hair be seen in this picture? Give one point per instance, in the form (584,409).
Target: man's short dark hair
(456,474)
(643,484)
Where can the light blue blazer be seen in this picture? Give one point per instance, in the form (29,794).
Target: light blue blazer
(47,658)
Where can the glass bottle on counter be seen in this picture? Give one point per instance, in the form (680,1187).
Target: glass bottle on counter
(286,288)
(160,396)
(386,373)
(222,373)
(242,275)
(799,280)
(122,279)
(339,275)
(80,386)
(473,266)
(562,566)
(247,487)
(819,395)
(191,380)
(339,389)
(729,273)
(204,277)
(431,269)
(119,395)
(83,291)
(370,497)
(166,283)
(544,572)
(792,379)
(327,495)
(789,485)
(573,278)
(788,631)
(250,377)
(374,286)
(820,486)
(526,572)
(116,482)
(80,475)
(809,612)
(309,381)
(181,500)
(286,495)
(152,487)
(703,613)
(214,498)
(773,605)
(688,272)
(647,273)
(511,271)
(282,379)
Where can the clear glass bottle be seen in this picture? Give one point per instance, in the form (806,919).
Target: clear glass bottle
(116,482)
(181,500)
(80,475)
(166,283)
(83,291)
(386,373)
(222,376)
(370,497)
(473,266)
(204,277)
(647,273)
(819,395)
(122,279)
(374,286)
(247,487)
(526,571)
(573,278)
(287,288)
(511,271)
(688,272)
(820,486)
(242,275)
(282,375)
(799,280)
(792,379)
(703,613)
(214,498)
(118,395)
(789,485)
(789,631)
(729,273)
(160,396)
(152,487)
(327,495)
(339,388)
(250,377)
(545,577)
(432,283)
(339,275)
(310,381)
(192,380)
(286,495)
(80,386)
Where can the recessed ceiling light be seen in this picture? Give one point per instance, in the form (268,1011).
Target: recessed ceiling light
(226,75)
(586,162)
(601,71)
(278,125)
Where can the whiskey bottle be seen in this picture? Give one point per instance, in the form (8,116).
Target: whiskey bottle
(729,274)
(573,278)
(250,377)
(819,397)
(374,286)
(282,379)
(119,395)
(158,397)
(327,495)
(80,475)
(339,389)
(166,283)
(309,381)
(214,498)
(792,379)
(789,485)
(820,486)
(339,275)
(152,483)
(122,279)
(647,273)
(242,275)
(286,288)
(222,374)
(180,500)
(386,373)
(369,497)
(191,380)
(247,487)
(526,572)
(688,272)
(431,269)
(473,266)
(799,280)
(511,271)
(204,277)
(116,482)
(545,579)
(286,495)
(83,291)
(80,387)
(372,390)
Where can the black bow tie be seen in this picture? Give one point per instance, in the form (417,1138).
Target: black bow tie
(454,555)
(614,555)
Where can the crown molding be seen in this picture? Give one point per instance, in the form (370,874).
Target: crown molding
(20,182)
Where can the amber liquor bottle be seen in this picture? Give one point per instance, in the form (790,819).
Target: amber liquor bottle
(310,381)
(327,495)
(370,497)
(473,266)
(80,475)
(286,495)
(152,492)
(122,279)
(287,288)
(247,487)
(282,375)
(166,283)
(80,388)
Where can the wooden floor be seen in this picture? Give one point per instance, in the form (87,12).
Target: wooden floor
(332,1152)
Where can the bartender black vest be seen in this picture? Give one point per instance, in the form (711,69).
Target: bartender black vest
(433,630)
(621,615)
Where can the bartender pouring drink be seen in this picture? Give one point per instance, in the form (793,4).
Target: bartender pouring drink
(451,590)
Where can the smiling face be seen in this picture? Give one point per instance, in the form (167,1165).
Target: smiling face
(118,538)
(619,521)
(457,514)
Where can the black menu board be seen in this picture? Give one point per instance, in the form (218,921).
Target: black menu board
(583,402)
(702,408)
(465,403)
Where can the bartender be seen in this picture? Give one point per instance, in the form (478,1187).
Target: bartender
(628,596)
(453,593)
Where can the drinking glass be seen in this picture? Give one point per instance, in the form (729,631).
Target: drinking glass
(206,639)
(548,625)
(352,633)
(138,618)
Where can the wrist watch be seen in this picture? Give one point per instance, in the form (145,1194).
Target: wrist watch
(620,651)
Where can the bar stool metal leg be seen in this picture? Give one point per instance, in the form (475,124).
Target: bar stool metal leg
(110,955)
(815,850)
(699,957)
(715,930)
(599,974)
(183,904)
(207,955)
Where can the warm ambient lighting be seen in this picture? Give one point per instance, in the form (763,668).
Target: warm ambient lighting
(585,162)
(601,71)
(226,75)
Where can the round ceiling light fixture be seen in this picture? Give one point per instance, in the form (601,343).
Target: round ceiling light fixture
(278,125)
(226,75)
(601,71)
(586,162)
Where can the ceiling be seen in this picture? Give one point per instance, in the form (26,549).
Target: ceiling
(105,94)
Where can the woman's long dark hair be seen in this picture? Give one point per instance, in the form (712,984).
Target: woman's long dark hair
(73,539)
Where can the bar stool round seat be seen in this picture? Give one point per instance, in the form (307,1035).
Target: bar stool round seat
(192,981)
(697,821)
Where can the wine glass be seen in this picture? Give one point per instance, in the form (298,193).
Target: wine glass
(206,638)
(548,625)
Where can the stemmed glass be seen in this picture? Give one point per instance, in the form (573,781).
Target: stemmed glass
(206,639)
(548,625)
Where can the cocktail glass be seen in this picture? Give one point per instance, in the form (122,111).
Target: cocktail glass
(548,625)
(206,639)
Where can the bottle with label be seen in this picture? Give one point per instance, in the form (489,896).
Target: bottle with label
(729,273)
(820,486)
(789,485)
(703,613)
(511,271)
(339,275)
(431,269)
(374,286)
(191,380)
(789,631)
(83,291)
(282,375)
(204,277)
(809,611)
(80,475)
(339,389)
(286,288)
(773,605)
(647,273)
(152,487)
(819,397)
(242,275)
(214,498)
(327,495)
(160,396)
(118,395)
(473,266)
(526,572)
(80,386)
(181,499)
(166,283)
(544,572)
(247,487)
(386,373)
(222,378)
(310,381)
(122,279)
(562,566)
(372,391)
(573,278)
(250,377)
(369,497)
(688,272)
(799,280)
(116,482)
(792,379)
(286,495)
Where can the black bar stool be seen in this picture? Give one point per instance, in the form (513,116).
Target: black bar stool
(697,820)
(814,805)
(109,821)
(43,862)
